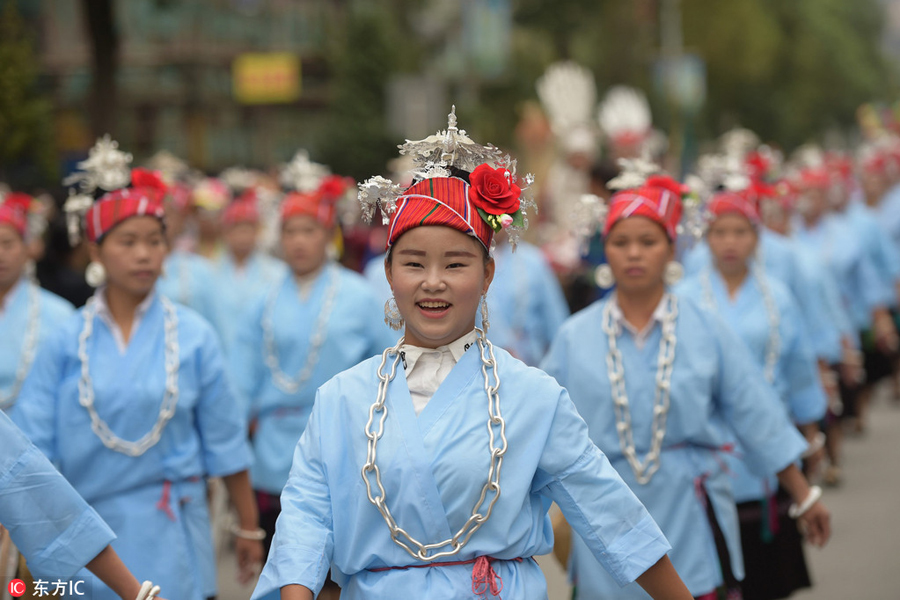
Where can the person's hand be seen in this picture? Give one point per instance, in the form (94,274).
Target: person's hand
(249,558)
(815,524)
(852,371)
(885,333)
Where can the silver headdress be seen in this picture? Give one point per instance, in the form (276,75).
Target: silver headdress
(625,114)
(568,94)
(302,174)
(106,168)
(439,155)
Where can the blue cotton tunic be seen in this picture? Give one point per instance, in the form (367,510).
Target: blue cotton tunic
(188,279)
(51,525)
(156,503)
(796,376)
(877,243)
(780,259)
(714,381)
(433,468)
(352,333)
(839,246)
(14,323)
(526,305)
(237,290)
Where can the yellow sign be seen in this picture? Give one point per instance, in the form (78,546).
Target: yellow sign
(272,78)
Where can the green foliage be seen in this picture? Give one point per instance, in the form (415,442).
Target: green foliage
(365,55)
(26,126)
(788,70)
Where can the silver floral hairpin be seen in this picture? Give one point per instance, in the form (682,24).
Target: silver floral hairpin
(634,173)
(106,168)
(302,174)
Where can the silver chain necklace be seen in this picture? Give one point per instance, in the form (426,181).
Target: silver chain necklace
(29,347)
(773,344)
(643,470)
(287,384)
(496,428)
(170,399)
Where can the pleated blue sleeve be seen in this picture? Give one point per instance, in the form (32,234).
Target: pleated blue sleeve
(600,507)
(51,525)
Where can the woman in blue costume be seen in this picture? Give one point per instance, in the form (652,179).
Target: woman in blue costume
(129,397)
(28,314)
(243,274)
(314,324)
(375,486)
(53,527)
(762,312)
(187,277)
(655,377)
(864,292)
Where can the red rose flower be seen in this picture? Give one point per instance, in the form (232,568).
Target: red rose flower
(333,187)
(149,182)
(493,191)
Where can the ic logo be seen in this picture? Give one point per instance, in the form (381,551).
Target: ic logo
(16,588)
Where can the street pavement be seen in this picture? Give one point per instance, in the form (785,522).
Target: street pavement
(862,561)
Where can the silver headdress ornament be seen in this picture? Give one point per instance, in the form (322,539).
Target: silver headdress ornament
(722,172)
(625,112)
(589,214)
(302,174)
(437,156)
(239,179)
(106,168)
(634,173)
(569,95)
(808,156)
(168,165)
(738,142)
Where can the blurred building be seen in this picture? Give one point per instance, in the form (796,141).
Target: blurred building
(219,82)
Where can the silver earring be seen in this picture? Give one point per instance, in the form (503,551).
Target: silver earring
(485,321)
(95,274)
(604,277)
(674,273)
(392,317)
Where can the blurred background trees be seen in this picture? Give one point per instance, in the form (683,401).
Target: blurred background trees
(161,74)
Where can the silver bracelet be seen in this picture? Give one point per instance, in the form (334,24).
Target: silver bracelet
(148,591)
(815,493)
(257,535)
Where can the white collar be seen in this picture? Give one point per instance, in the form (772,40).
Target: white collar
(104,313)
(11,294)
(640,337)
(411,354)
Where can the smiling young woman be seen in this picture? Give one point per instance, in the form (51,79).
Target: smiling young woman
(674,375)
(412,422)
(130,402)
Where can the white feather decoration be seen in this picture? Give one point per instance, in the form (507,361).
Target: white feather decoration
(568,94)
(625,113)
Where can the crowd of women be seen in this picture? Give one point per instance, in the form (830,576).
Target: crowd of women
(364,425)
